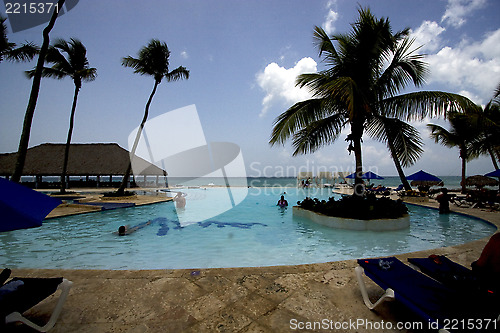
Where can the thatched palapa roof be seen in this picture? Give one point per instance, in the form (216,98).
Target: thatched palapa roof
(87,159)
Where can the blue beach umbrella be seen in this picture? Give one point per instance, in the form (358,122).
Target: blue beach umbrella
(495,173)
(22,207)
(366,175)
(423,178)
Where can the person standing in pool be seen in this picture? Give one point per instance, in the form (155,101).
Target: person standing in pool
(282,202)
(180,201)
(444,201)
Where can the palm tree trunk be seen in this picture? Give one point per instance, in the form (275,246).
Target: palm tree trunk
(493,159)
(464,164)
(357,132)
(35,88)
(126,177)
(397,164)
(68,141)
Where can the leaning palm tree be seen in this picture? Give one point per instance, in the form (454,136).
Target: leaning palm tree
(402,139)
(35,88)
(10,51)
(460,135)
(152,60)
(486,121)
(366,70)
(74,65)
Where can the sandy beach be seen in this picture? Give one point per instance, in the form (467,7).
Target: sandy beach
(305,298)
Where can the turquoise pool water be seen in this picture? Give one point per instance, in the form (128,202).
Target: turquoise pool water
(254,233)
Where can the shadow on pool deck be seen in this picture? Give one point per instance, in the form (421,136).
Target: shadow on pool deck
(260,299)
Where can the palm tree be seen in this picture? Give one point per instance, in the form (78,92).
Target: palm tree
(460,135)
(486,121)
(35,88)
(366,70)
(152,60)
(10,51)
(75,66)
(402,139)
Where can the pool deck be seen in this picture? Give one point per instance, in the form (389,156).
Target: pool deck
(90,201)
(259,299)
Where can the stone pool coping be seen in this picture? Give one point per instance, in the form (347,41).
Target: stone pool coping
(250,299)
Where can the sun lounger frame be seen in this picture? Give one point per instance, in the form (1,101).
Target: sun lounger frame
(389,295)
(64,286)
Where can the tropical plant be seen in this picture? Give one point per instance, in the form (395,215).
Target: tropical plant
(351,207)
(366,69)
(76,66)
(10,51)
(460,135)
(152,60)
(35,88)
(486,121)
(402,139)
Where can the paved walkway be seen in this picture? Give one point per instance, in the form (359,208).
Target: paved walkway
(262,299)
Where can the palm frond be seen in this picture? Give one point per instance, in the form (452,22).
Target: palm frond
(404,137)
(318,134)
(25,52)
(132,63)
(418,105)
(177,74)
(405,67)
(87,74)
(297,117)
(325,46)
(442,136)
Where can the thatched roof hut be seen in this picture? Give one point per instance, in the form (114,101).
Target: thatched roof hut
(88,159)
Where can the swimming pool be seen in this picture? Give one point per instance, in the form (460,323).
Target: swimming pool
(254,233)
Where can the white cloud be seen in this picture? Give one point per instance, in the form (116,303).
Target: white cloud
(427,36)
(279,83)
(471,66)
(331,17)
(329,24)
(184,54)
(456,10)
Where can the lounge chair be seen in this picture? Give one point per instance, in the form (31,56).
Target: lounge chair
(429,299)
(459,277)
(444,270)
(399,188)
(20,294)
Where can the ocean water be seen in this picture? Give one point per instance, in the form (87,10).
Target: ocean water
(390,181)
(451,182)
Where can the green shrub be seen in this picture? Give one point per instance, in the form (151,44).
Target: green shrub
(361,208)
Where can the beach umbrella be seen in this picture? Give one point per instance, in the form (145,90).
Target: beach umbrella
(22,207)
(422,178)
(366,175)
(480,181)
(495,173)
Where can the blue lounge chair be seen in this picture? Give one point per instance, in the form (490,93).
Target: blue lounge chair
(431,300)
(20,294)
(460,278)
(445,271)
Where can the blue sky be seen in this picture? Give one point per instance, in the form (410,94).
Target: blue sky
(243,57)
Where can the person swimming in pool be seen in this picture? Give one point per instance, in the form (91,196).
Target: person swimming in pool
(282,202)
(126,230)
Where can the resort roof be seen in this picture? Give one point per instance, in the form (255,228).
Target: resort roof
(88,159)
